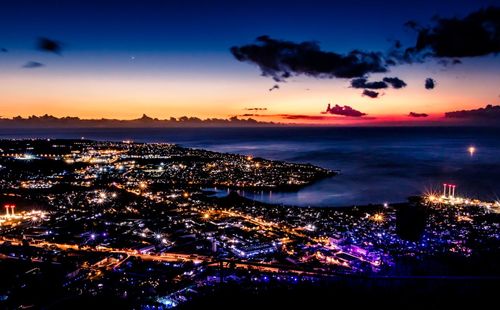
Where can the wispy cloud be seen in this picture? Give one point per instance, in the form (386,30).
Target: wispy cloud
(32,65)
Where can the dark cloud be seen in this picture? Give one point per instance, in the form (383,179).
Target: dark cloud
(281,59)
(32,65)
(363,83)
(49,45)
(3,50)
(275,86)
(395,82)
(449,39)
(430,83)
(370,93)
(415,114)
(489,112)
(255,109)
(343,110)
(477,34)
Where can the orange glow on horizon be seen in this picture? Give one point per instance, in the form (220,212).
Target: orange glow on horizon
(114,96)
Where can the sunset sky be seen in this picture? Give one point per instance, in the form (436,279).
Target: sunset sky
(172,58)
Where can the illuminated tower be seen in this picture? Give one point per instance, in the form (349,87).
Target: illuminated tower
(7,210)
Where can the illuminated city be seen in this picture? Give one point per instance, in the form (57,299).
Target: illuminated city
(103,210)
(195,154)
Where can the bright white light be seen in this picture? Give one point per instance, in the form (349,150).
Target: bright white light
(471,150)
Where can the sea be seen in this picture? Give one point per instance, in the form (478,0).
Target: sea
(377,164)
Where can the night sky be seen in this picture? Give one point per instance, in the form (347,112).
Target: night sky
(120,59)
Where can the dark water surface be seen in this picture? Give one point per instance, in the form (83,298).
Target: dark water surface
(377,164)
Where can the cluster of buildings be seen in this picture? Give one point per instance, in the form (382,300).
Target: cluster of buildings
(133,221)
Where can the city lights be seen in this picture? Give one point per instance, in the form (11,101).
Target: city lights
(379,217)
(151,229)
(253,155)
